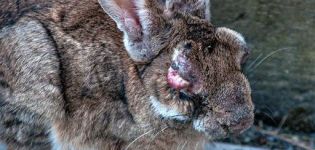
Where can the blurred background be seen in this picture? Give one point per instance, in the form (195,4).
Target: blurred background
(281,68)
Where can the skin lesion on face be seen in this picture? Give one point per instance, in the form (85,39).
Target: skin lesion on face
(184,77)
(215,111)
(167,102)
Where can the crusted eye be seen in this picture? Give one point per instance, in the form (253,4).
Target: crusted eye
(188,45)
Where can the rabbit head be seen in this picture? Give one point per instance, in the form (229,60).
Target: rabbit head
(192,69)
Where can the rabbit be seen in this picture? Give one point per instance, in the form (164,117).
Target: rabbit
(116,74)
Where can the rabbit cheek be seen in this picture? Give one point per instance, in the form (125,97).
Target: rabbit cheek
(167,102)
(168,111)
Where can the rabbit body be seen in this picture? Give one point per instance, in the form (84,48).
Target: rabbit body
(75,77)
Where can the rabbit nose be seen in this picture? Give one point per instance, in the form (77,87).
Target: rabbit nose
(241,126)
(233,126)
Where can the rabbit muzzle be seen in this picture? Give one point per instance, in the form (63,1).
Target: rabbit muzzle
(227,110)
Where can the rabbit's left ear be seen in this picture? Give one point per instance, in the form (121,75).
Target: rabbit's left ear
(139,20)
(199,8)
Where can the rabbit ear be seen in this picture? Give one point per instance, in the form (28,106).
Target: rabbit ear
(136,19)
(125,14)
(199,8)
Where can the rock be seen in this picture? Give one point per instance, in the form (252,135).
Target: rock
(281,68)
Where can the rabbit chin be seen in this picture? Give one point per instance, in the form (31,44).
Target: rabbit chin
(167,112)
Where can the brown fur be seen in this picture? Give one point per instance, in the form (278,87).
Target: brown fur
(64,68)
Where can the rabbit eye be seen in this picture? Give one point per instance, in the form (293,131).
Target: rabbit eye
(209,48)
(188,46)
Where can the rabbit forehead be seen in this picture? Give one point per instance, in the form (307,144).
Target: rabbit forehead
(195,28)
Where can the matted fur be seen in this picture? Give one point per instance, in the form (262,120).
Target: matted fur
(65,71)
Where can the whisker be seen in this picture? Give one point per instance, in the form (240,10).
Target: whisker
(196,146)
(268,108)
(123,122)
(283,120)
(266,57)
(254,62)
(138,138)
(269,116)
(177,148)
(158,133)
(184,145)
